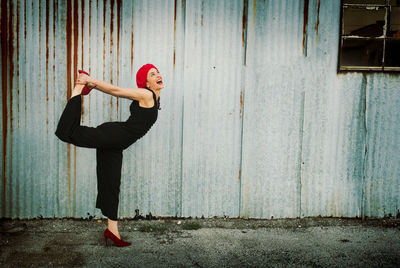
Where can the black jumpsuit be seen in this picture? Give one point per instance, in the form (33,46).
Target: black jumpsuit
(110,139)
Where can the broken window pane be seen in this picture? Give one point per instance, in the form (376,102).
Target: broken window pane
(368,22)
(361,52)
(392,53)
(363,2)
(394,26)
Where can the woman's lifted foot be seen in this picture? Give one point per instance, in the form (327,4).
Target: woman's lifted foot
(88,86)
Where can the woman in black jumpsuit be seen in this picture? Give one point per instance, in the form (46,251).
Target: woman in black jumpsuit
(111,138)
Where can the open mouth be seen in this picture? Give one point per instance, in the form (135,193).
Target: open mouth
(159,82)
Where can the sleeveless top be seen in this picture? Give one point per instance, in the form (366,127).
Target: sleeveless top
(142,119)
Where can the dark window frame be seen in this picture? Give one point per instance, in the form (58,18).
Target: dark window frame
(382,68)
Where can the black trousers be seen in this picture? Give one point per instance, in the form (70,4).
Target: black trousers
(109,139)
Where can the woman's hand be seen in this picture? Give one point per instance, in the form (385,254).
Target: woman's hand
(84,79)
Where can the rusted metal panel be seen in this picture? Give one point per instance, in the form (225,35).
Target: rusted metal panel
(211,119)
(43,176)
(255,120)
(381,192)
(153,164)
(273,110)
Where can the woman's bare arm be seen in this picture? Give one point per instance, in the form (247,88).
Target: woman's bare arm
(128,93)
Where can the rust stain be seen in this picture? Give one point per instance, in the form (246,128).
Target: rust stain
(241,104)
(82,52)
(47,54)
(118,33)
(132,39)
(4,21)
(47,66)
(90,26)
(11,62)
(202,11)
(111,107)
(40,13)
(104,36)
(111,37)
(254,12)
(25,20)
(55,7)
(76,37)
(82,30)
(69,34)
(317,24)
(305,22)
(118,36)
(244,21)
(174,32)
(117,106)
(69,48)
(111,48)
(69,170)
(74,179)
(240,174)
(18,7)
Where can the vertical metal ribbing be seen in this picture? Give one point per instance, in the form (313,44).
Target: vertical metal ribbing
(385,33)
(182,108)
(243,85)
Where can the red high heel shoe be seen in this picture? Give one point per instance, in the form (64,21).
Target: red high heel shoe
(86,90)
(118,242)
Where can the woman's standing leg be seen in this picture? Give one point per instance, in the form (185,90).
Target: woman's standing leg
(109,165)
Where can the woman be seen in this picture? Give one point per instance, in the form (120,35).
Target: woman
(111,138)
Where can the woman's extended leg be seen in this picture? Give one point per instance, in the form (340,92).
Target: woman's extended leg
(71,116)
(110,135)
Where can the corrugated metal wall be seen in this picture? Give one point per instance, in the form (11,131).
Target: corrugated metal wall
(255,120)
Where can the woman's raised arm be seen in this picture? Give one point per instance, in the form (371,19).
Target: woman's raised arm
(128,93)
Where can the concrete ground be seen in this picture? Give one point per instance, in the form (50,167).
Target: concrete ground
(308,242)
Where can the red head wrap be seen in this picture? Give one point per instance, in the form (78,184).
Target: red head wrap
(141,75)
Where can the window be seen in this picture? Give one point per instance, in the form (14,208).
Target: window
(370,35)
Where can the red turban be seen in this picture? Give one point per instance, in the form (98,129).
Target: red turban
(141,75)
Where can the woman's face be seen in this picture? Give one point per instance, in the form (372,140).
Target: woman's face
(154,80)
